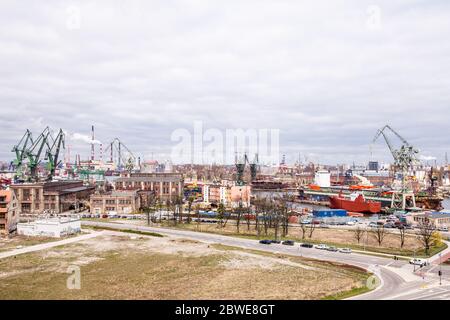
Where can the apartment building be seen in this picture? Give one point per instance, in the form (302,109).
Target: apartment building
(9,213)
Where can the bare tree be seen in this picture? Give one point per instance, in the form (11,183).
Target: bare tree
(220,214)
(238,216)
(425,234)
(303,227)
(379,234)
(358,233)
(312,227)
(402,234)
(190,201)
(248,217)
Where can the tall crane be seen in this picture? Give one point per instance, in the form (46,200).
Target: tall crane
(35,151)
(253,166)
(405,158)
(20,151)
(126,158)
(52,153)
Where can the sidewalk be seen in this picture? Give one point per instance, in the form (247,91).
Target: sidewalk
(445,255)
(48,245)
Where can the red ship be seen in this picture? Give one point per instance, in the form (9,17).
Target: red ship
(357,203)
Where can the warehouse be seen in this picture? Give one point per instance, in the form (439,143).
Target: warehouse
(115,202)
(51,197)
(53,227)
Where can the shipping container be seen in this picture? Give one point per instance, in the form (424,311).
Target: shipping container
(329,213)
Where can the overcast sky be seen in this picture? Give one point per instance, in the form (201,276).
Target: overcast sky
(328,74)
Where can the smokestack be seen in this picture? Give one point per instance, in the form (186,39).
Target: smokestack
(92,145)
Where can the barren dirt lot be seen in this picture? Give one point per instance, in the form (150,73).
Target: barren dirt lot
(121,266)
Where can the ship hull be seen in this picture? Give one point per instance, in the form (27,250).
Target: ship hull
(359,205)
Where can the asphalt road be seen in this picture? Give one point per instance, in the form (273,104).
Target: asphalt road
(397,280)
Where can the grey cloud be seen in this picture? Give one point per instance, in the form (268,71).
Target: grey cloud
(140,69)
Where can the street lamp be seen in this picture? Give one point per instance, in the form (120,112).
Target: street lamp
(414,260)
(440,269)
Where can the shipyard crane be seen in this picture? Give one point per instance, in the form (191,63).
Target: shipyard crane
(20,151)
(118,145)
(240,167)
(405,158)
(253,166)
(52,154)
(35,151)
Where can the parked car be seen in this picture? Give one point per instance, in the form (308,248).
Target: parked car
(332,248)
(306,221)
(275,241)
(389,225)
(345,250)
(323,225)
(307,245)
(288,243)
(322,247)
(351,223)
(373,224)
(418,262)
(443,228)
(265,241)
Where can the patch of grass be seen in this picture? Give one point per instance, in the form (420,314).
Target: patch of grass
(350,293)
(145,233)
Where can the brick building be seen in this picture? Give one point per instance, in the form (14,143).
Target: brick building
(163,186)
(9,213)
(51,197)
(115,202)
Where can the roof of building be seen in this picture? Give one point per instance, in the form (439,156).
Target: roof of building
(151,179)
(77,189)
(122,193)
(437,215)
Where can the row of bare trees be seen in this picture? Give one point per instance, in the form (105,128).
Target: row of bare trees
(426,234)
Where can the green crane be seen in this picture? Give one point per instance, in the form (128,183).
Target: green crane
(52,154)
(34,153)
(20,152)
(405,158)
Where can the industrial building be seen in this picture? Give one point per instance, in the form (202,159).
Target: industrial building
(51,197)
(53,227)
(164,186)
(438,219)
(115,202)
(9,213)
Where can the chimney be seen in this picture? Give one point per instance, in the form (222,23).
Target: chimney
(92,145)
